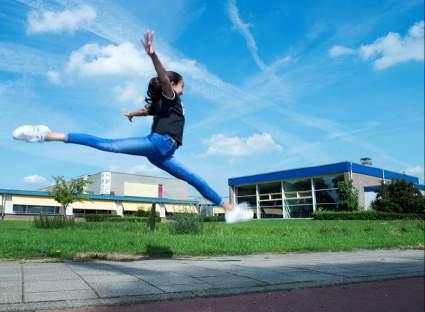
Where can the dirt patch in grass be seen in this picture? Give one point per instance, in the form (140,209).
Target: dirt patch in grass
(85,256)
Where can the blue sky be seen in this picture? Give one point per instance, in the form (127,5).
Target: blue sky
(268,87)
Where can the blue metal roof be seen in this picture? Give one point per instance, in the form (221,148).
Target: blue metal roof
(420,187)
(321,170)
(106,197)
(374,188)
(377,172)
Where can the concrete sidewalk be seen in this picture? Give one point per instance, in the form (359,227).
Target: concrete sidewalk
(32,286)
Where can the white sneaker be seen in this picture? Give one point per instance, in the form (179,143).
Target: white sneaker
(240,213)
(31,133)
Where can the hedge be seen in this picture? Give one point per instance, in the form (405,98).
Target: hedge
(114,218)
(365,215)
(219,218)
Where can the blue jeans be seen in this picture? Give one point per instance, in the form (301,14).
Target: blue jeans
(158,148)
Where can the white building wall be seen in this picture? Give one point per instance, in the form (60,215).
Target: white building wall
(8,204)
(69,211)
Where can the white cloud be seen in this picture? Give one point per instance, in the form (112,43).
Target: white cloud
(54,77)
(338,50)
(222,145)
(389,50)
(417,171)
(35,179)
(123,59)
(129,92)
(67,20)
(392,49)
(243,28)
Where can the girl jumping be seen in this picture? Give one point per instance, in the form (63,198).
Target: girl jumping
(164,104)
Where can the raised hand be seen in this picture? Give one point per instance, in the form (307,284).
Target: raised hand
(148,42)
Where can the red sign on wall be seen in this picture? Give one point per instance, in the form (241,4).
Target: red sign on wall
(160,191)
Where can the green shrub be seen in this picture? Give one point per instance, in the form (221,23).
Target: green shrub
(114,218)
(348,196)
(186,224)
(142,213)
(365,215)
(399,196)
(219,218)
(127,219)
(46,222)
(98,217)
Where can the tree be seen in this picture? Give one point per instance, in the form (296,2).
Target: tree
(152,217)
(348,196)
(399,196)
(68,193)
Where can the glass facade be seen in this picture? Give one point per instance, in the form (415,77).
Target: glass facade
(247,194)
(77,212)
(298,197)
(270,200)
(29,209)
(292,198)
(326,191)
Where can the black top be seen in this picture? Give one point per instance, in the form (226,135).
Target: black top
(169,118)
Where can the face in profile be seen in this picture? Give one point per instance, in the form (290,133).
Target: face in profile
(178,87)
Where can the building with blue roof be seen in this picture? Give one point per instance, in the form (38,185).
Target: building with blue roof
(112,193)
(297,193)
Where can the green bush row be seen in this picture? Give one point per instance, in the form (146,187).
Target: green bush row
(114,218)
(47,222)
(100,217)
(186,224)
(219,218)
(365,215)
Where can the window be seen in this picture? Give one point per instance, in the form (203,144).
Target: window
(297,185)
(30,209)
(251,201)
(90,211)
(270,188)
(247,194)
(300,211)
(247,190)
(298,197)
(326,191)
(270,199)
(327,182)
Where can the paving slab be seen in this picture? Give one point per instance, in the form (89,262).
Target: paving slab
(14,296)
(117,286)
(56,285)
(65,295)
(9,277)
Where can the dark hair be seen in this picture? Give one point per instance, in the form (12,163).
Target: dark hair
(153,99)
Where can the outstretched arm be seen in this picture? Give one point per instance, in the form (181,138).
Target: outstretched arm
(159,68)
(140,112)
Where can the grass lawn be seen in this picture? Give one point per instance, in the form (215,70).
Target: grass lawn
(21,240)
